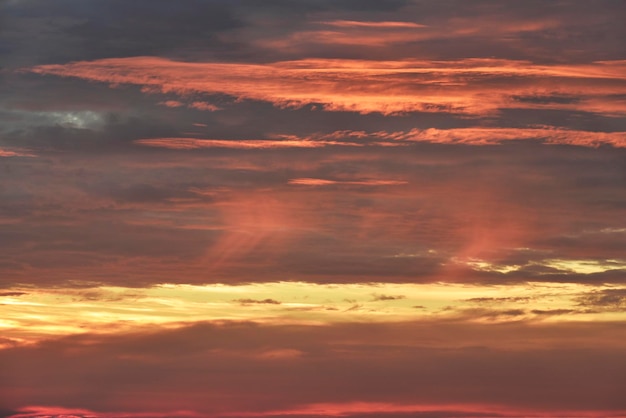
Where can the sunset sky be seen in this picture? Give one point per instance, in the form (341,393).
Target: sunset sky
(312,208)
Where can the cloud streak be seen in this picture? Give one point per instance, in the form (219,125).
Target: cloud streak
(470,86)
(195,143)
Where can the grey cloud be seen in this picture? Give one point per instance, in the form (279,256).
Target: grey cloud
(227,362)
(550,312)
(605,300)
(543,99)
(70,30)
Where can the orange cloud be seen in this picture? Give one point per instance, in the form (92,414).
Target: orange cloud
(61,412)
(15,153)
(361,24)
(466,136)
(194,143)
(357,409)
(470,86)
(171,103)
(323,182)
(489,136)
(204,106)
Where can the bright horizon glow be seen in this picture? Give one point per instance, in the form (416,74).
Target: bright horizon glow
(44,313)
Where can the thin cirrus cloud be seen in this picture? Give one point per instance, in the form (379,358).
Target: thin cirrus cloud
(195,143)
(465,136)
(351,32)
(325,182)
(471,86)
(362,24)
(15,153)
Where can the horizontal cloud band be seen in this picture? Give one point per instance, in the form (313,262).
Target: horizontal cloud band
(470,86)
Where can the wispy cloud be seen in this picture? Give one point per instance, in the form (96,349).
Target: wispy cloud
(15,153)
(371,24)
(465,136)
(194,143)
(470,86)
(325,182)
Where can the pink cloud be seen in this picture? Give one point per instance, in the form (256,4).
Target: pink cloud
(489,136)
(361,24)
(466,136)
(204,106)
(194,143)
(172,103)
(15,153)
(323,182)
(61,412)
(470,86)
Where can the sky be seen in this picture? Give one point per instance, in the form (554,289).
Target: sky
(312,208)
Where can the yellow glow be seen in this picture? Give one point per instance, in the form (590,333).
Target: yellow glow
(586,266)
(42,313)
(571,266)
(485,266)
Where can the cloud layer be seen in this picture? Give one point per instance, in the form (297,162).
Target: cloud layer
(471,86)
(353,208)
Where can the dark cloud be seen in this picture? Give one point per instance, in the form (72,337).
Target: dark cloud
(257,301)
(12,294)
(69,30)
(336,364)
(546,99)
(377,297)
(552,311)
(511,171)
(604,300)
(511,205)
(499,300)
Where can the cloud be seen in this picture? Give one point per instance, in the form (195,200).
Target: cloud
(380,24)
(257,301)
(15,153)
(324,182)
(204,106)
(609,300)
(194,143)
(39,31)
(513,299)
(417,205)
(382,297)
(470,86)
(552,311)
(426,363)
(486,136)
(462,136)
(12,294)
